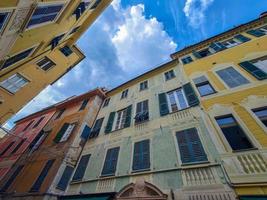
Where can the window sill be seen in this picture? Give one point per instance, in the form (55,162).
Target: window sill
(140,170)
(195,163)
(244,150)
(142,122)
(203,96)
(106,175)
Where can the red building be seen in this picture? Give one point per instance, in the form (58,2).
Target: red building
(22,137)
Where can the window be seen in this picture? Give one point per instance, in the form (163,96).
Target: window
(80,170)
(142,113)
(232,77)
(202,53)
(3,19)
(177,100)
(45,63)
(28,125)
(97,127)
(110,163)
(60,113)
(97,2)
(106,102)
(65,178)
(121,119)
(203,86)
(55,41)
(37,141)
(190,146)
(186,60)
(14,83)
(261,113)
(231,43)
(143,85)
(256,67)
(169,75)
(261,64)
(66,50)
(38,183)
(258,32)
(64,133)
(216,47)
(7,148)
(84,104)
(242,38)
(18,146)
(141,157)
(233,133)
(12,178)
(86,132)
(38,122)
(81,9)
(16,58)
(124,94)
(45,13)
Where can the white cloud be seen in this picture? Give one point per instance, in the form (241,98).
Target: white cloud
(195,11)
(141,42)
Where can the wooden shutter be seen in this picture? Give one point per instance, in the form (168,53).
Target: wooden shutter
(190,95)
(163,104)
(128,116)
(256,33)
(110,122)
(191,149)
(86,132)
(11,178)
(79,173)
(253,70)
(61,132)
(242,38)
(111,160)
(65,178)
(84,103)
(96,128)
(141,157)
(38,183)
(18,146)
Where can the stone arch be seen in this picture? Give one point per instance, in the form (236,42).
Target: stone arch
(141,190)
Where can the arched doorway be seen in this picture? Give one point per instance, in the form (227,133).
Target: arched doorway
(140,190)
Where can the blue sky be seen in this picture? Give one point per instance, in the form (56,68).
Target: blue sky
(134,36)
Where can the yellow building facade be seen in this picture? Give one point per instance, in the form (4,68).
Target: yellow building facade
(37,45)
(229,71)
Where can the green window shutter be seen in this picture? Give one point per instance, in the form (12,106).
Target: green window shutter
(128,117)
(196,54)
(253,70)
(61,132)
(190,95)
(242,38)
(163,104)
(256,33)
(110,122)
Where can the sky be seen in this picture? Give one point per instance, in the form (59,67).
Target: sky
(134,36)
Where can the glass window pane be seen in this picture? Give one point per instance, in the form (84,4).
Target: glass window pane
(181,99)
(205,89)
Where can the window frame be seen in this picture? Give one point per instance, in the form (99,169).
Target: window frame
(106,102)
(186,57)
(65,52)
(150,156)
(34,47)
(142,121)
(103,162)
(168,72)
(144,83)
(242,126)
(237,69)
(196,85)
(8,16)
(124,94)
(256,118)
(230,45)
(176,98)
(121,125)
(44,65)
(43,4)
(27,82)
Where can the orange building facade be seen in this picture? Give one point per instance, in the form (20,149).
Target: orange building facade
(53,157)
